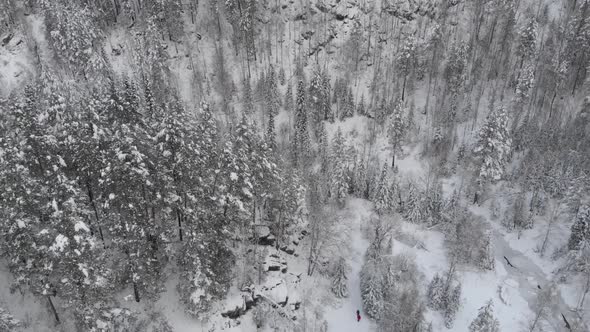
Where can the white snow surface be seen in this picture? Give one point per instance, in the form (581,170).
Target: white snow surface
(343,317)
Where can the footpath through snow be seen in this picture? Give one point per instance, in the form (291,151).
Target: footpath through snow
(343,318)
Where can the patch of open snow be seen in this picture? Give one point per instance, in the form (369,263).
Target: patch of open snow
(60,243)
(81,226)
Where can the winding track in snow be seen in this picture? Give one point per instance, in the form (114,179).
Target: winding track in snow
(529,275)
(343,318)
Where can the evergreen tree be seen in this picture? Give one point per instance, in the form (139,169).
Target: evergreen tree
(247,97)
(360,179)
(273,100)
(527,41)
(289,98)
(452,307)
(412,209)
(486,255)
(580,229)
(396,130)
(301,141)
(339,175)
(325,105)
(282,76)
(324,151)
(339,279)
(493,147)
(271,137)
(485,320)
(435,293)
(360,109)
(383,199)
(407,60)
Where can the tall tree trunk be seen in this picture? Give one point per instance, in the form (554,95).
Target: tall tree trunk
(95,209)
(53,309)
(135,291)
(404,87)
(179,216)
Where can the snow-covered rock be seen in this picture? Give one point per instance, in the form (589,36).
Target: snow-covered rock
(274,262)
(275,289)
(263,235)
(234,307)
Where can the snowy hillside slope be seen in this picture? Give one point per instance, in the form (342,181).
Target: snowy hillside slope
(205,66)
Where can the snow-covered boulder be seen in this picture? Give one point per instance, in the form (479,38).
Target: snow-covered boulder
(294,300)
(263,235)
(234,307)
(288,249)
(275,289)
(274,262)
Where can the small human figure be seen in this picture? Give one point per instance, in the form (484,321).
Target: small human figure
(358,316)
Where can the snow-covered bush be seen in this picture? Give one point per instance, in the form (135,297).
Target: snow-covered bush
(444,294)
(7,321)
(469,242)
(580,228)
(403,307)
(485,320)
(102,318)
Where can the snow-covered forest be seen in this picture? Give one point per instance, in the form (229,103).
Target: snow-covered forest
(277,165)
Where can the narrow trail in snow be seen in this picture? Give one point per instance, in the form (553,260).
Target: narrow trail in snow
(343,318)
(529,276)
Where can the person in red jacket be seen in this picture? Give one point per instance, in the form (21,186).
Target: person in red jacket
(358,316)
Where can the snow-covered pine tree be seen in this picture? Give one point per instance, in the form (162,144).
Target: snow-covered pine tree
(527,41)
(347,105)
(396,130)
(316,96)
(302,142)
(433,204)
(289,98)
(486,259)
(435,293)
(286,203)
(485,320)
(339,279)
(324,150)
(325,104)
(74,37)
(339,164)
(413,205)
(454,74)
(271,136)
(360,179)
(360,109)
(383,199)
(372,287)
(282,76)
(580,228)
(371,292)
(453,306)
(273,100)
(247,97)
(493,147)
(407,60)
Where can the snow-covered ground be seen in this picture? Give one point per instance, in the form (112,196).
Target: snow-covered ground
(343,317)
